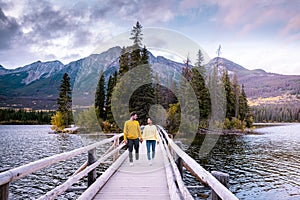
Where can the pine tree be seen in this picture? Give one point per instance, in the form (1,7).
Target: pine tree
(236,93)
(200,59)
(111,84)
(199,85)
(144,56)
(124,62)
(100,98)
(137,34)
(201,91)
(132,57)
(142,99)
(243,104)
(135,58)
(64,100)
(230,104)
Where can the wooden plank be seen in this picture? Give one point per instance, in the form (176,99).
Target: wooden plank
(140,181)
(94,188)
(19,172)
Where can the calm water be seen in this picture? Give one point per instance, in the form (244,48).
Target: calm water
(20,145)
(264,166)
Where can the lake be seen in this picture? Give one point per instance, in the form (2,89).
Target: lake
(22,144)
(261,166)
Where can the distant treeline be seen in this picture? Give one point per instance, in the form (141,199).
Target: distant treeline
(21,116)
(276,113)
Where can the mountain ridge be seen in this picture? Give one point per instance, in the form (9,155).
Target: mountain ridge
(28,86)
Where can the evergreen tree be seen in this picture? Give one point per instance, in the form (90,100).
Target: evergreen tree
(142,99)
(199,85)
(100,98)
(64,100)
(201,91)
(135,58)
(243,104)
(111,84)
(200,59)
(124,62)
(230,105)
(137,34)
(132,57)
(144,56)
(236,93)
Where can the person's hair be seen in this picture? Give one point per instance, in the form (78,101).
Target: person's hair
(150,119)
(132,114)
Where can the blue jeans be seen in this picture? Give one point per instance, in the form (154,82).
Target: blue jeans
(150,143)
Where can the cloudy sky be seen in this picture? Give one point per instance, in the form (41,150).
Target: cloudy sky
(255,34)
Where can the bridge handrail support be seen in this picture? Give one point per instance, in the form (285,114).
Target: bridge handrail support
(24,170)
(63,187)
(175,175)
(200,172)
(100,182)
(113,146)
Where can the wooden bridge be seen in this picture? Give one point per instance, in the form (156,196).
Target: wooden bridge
(161,180)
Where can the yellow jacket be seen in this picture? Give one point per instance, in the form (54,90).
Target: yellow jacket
(150,133)
(132,130)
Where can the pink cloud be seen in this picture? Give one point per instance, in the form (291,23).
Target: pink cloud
(292,26)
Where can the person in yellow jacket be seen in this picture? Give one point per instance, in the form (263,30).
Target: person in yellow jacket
(132,136)
(150,134)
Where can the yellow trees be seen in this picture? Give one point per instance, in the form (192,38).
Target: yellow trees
(57,122)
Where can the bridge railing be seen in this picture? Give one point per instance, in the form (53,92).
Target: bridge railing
(199,172)
(24,170)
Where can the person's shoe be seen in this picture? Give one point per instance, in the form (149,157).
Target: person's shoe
(150,162)
(131,164)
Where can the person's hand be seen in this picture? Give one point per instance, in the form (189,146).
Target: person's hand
(125,141)
(157,142)
(141,140)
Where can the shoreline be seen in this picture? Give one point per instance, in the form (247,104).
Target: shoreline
(248,131)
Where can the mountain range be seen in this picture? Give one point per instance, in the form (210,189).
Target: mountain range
(36,85)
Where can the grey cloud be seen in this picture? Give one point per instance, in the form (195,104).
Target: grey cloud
(151,12)
(82,38)
(48,23)
(9,29)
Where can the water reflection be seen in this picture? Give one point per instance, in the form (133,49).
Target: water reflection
(262,166)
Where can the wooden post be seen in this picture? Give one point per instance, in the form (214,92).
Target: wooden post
(4,189)
(223,178)
(116,145)
(92,158)
(178,159)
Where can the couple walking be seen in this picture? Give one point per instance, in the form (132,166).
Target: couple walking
(132,137)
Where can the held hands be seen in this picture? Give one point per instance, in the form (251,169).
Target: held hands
(141,140)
